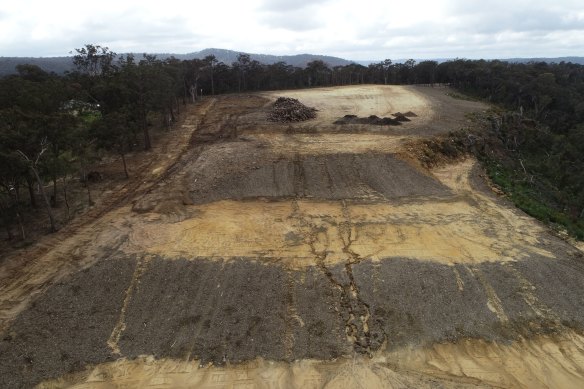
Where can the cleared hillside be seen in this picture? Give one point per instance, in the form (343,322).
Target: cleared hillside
(309,254)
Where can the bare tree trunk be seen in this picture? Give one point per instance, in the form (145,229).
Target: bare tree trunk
(44,195)
(30,185)
(89,200)
(20,223)
(83,174)
(525,171)
(212,83)
(172,117)
(54,191)
(147,144)
(125,166)
(9,233)
(66,198)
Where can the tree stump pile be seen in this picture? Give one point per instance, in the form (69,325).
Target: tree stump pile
(287,110)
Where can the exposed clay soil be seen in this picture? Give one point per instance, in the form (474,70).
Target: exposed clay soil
(301,255)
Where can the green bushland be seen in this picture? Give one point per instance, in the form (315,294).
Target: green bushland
(531,200)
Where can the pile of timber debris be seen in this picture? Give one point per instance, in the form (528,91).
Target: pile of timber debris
(287,110)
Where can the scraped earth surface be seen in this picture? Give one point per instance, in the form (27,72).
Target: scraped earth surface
(303,255)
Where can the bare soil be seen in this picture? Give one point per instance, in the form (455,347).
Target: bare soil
(304,254)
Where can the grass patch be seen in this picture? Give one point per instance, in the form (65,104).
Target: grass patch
(528,199)
(88,117)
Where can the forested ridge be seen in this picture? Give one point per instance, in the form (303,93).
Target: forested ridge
(534,149)
(52,127)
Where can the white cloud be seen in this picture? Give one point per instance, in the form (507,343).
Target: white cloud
(367,29)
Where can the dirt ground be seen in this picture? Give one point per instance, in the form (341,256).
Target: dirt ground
(269,255)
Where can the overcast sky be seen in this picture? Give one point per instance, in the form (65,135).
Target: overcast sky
(352,29)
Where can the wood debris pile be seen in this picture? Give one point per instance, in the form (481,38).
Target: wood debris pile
(286,110)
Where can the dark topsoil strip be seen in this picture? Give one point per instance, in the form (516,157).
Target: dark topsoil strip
(230,311)
(329,177)
(66,328)
(415,302)
(238,310)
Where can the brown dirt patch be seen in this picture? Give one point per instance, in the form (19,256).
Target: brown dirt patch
(544,362)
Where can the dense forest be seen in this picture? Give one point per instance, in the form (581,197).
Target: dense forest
(52,126)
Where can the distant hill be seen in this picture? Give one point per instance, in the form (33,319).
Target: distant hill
(58,65)
(230,56)
(578,60)
(62,64)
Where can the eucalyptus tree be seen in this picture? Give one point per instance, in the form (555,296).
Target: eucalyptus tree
(111,132)
(279,75)
(195,70)
(211,62)
(425,72)
(94,60)
(242,67)
(318,73)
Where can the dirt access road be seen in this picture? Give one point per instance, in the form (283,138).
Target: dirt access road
(302,255)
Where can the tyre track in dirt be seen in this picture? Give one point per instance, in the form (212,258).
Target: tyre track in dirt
(28,273)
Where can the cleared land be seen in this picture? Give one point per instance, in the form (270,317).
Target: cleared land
(305,254)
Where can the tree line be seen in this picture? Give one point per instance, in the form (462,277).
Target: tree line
(51,126)
(536,153)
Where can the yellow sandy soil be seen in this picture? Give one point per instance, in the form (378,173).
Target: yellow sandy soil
(542,362)
(361,100)
(470,228)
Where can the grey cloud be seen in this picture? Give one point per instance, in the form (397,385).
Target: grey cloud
(479,46)
(298,16)
(132,29)
(532,20)
(504,15)
(292,21)
(469,29)
(463,39)
(125,32)
(479,34)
